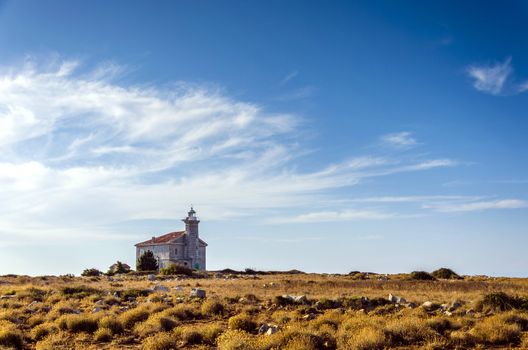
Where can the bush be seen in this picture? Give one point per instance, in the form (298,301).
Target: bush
(111,323)
(78,323)
(131,317)
(54,341)
(242,322)
(421,276)
(495,331)
(236,340)
(42,330)
(147,262)
(182,312)
(500,301)
(79,291)
(91,273)
(445,273)
(118,268)
(160,341)
(11,338)
(212,307)
(191,336)
(103,335)
(175,269)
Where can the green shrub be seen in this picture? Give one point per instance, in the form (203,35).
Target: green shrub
(498,301)
(445,273)
(242,322)
(175,269)
(91,273)
(421,276)
(147,262)
(79,291)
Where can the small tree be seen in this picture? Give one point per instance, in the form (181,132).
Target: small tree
(147,262)
(118,267)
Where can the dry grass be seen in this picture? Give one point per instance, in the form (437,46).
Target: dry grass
(97,313)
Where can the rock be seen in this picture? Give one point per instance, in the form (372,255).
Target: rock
(430,306)
(263,328)
(470,312)
(411,305)
(151,277)
(161,289)
(297,299)
(309,317)
(99,302)
(272,330)
(396,300)
(96,309)
(448,313)
(455,305)
(178,289)
(7,296)
(197,293)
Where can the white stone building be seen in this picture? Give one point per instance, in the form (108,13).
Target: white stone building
(183,248)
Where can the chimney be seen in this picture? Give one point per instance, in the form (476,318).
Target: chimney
(153,239)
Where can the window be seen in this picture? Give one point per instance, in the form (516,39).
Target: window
(176,251)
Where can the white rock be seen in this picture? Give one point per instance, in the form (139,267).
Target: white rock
(272,330)
(160,288)
(197,293)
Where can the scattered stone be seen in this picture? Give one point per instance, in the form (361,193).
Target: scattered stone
(178,289)
(99,302)
(263,328)
(430,306)
(309,317)
(448,313)
(272,330)
(151,277)
(197,293)
(7,296)
(411,305)
(396,300)
(96,309)
(161,289)
(297,299)
(470,312)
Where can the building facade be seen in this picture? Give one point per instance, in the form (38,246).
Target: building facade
(183,248)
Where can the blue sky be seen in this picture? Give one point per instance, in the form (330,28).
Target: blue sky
(324,136)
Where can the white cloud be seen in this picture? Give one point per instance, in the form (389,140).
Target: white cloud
(479,205)
(490,78)
(80,153)
(289,77)
(333,216)
(399,140)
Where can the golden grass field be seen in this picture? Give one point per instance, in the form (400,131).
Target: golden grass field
(121,312)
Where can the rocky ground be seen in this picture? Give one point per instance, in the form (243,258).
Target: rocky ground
(262,311)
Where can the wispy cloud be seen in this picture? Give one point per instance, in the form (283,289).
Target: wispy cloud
(399,140)
(490,78)
(478,205)
(344,215)
(289,77)
(79,150)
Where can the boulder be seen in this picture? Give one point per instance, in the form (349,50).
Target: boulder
(396,300)
(161,289)
(430,306)
(151,277)
(197,293)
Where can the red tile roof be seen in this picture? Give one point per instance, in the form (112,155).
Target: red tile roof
(165,239)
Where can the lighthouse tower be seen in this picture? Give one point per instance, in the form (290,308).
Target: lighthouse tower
(191,232)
